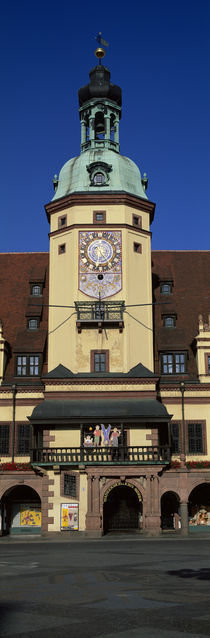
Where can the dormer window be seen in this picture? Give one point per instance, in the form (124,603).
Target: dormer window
(99,173)
(169,321)
(166,288)
(99,178)
(33,324)
(36,290)
(27,365)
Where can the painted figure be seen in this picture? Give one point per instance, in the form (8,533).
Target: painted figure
(106,433)
(88,441)
(97,435)
(114,437)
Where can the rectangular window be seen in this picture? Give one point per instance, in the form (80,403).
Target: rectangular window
(137,221)
(99,216)
(137,247)
(173,363)
(62,221)
(61,249)
(70,485)
(28,365)
(166,288)
(21,366)
(23,444)
(175,438)
(195,438)
(4,439)
(34,366)
(99,362)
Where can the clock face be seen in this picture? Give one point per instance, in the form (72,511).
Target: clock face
(100,253)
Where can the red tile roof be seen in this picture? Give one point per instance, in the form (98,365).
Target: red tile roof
(16,272)
(190,271)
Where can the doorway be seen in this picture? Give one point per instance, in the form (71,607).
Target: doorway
(122,510)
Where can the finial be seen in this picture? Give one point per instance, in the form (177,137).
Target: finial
(100,52)
(55,182)
(144,181)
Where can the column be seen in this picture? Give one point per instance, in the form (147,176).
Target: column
(83,132)
(107,126)
(152,516)
(116,132)
(184,518)
(91,129)
(93,518)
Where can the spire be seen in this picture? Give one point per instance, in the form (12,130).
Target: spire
(100,108)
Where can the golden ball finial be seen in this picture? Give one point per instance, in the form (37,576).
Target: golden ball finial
(100,53)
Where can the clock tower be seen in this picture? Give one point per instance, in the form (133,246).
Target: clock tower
(100,314)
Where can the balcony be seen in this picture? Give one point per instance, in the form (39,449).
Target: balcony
(100,314)
(129,455)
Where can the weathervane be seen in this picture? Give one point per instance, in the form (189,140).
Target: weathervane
(100,52)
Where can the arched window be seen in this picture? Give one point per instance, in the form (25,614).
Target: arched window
(99,178)
(36,290)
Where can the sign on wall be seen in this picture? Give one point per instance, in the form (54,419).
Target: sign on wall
(30,515)
(69,516)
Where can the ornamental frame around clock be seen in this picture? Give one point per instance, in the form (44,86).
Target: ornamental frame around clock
(100,252)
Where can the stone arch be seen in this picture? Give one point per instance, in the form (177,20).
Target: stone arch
(20,506)
(195,482)
(122,506)
(112,483)
(28,483)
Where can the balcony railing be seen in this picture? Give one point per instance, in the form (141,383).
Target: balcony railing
(133,455)
(100,313)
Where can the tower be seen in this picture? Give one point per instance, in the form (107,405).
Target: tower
(100,315)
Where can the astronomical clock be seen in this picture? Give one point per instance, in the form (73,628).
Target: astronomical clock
(100,263)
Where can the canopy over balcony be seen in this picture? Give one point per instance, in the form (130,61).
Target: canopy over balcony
(94,409)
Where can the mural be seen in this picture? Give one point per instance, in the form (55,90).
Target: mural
(200,516)
(100,253)
(30,515)
(70,516)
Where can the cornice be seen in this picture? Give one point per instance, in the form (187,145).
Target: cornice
(101,381)
(104,226)
(85,198)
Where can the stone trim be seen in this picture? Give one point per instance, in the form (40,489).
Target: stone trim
(91,199)
(59,231)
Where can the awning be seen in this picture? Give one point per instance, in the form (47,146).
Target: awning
(85,410)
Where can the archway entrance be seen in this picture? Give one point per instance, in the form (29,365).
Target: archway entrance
(170,518)
(122,509)
(21,511)
(199,507)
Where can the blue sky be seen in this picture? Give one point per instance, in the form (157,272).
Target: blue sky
(159,54)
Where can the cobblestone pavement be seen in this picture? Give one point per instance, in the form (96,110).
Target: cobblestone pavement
(115,587)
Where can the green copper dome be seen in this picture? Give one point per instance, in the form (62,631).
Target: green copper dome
(99,171)
(100,167)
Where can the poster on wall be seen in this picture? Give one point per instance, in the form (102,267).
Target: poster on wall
(69,516)
(30,515)
(200,516)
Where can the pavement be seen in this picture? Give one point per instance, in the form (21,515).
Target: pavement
(114,587)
